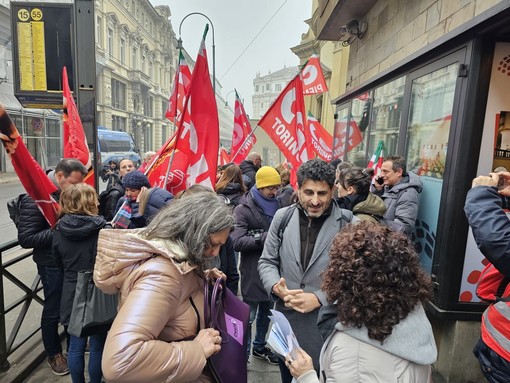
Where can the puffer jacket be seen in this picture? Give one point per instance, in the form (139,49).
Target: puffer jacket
(35,232)
(370,209)
(249,218)
(349,355)
(74,250)
(161,304)
(249,170)
(233,192)
(402,202)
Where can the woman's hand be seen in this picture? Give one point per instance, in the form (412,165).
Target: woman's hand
(214,274)
(210,340)
(299,365)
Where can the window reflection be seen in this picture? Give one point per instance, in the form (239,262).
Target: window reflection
(429,121)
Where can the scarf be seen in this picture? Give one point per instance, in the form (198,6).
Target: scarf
(268,205)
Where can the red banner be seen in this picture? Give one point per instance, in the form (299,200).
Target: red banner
(199,132)
(75,141)
(33,178)
(313,78)
(179,91)
(355,138)
(223,157)
(285,123)
(322,141)
(242,136)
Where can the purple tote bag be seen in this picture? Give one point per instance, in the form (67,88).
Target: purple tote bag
(229,315)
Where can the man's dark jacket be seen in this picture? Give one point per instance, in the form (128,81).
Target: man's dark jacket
(35,232)
(249,169)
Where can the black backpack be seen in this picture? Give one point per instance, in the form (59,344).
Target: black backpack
(103,198)
(14,207)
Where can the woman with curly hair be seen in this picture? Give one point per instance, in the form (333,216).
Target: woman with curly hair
(381,334)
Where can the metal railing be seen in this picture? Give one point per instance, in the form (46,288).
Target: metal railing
(12,341)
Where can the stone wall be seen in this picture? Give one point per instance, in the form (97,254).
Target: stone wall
(399,28)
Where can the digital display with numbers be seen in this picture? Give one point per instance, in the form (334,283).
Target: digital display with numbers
(42,45)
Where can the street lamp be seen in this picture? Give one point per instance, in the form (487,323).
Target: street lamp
(179,44)
(226,98)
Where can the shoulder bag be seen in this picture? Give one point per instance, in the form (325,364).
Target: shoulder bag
(226,313)
(92,309)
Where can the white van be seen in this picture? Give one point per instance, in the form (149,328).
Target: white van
(114,145)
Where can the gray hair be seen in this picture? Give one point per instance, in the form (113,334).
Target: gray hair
(189,222)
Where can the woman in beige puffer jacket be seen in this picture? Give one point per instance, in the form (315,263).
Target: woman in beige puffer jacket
(159,333)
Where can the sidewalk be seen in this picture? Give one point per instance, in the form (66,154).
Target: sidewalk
(8,177)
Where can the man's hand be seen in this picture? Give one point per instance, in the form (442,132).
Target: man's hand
(302,302)
(296,299)
(501,180)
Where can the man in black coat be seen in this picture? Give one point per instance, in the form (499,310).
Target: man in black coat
(35,232)
(249,168)
(253,217)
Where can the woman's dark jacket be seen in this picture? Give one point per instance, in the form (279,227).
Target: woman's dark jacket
(229,266)
(249,219)
(155,201)
(113,195)
(74,249)
(233,192)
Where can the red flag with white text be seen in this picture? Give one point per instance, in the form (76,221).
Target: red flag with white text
(313,78)
(33,178)
(180,89)
(75,141)
(322,141)
(157,170)
(339,135)
(285,123)
(223,157)
(242,136)
(199,133)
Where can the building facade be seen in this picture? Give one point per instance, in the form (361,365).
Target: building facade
(430,80)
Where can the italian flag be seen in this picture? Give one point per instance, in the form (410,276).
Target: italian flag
(377,158)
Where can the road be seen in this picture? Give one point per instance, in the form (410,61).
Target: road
(9,190)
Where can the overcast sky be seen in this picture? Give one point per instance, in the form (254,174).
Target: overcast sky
(236,23)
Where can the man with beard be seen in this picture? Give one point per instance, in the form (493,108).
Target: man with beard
(296,254)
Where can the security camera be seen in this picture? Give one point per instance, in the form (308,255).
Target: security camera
(353,27)
(344,30)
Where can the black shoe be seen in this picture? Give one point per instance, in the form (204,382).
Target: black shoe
(266,354)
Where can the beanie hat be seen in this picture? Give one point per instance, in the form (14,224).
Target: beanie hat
(267,176)
(135,180)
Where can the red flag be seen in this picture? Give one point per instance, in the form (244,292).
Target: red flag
(223,157)
(199,133)
(35,181)
(339,134)
(322,141)
(242,136)
(285,123)
(157,169)
(179,90)
(313,78)
(75,141)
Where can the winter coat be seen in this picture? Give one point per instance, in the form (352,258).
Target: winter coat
(161,302)
(285,196)
(228,265)
(249,169)
(156,199)
(74,250)
(35,232)
(115,193)
(249,218)
(233,192)
(285,261)
(349,355)
(371,209)
(401,202)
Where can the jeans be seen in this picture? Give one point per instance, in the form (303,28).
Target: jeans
(52,280)
(76,357)
(262,324)
(494,368)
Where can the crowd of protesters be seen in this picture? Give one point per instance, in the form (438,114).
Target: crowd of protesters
(330,250)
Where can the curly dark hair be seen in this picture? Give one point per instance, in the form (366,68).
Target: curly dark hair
(316,170)
(375,276)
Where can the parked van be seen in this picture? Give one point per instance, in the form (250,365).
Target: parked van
(114,145)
